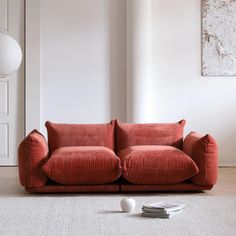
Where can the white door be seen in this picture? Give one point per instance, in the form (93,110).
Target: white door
(12,87)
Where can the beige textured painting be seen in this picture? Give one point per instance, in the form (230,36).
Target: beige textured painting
(219,37)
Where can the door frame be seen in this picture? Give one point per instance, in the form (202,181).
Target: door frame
(32,65)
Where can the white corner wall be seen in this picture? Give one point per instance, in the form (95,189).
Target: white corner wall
(83,68)
(83,60)
(208,104)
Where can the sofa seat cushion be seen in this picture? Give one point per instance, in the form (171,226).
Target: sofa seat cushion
(83,165)
(152,164)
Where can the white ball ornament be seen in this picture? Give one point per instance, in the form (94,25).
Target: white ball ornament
(10,55)
(127,204)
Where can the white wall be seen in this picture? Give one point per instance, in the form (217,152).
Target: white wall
(83,61)
(208,104)
(83,68)
(139,61)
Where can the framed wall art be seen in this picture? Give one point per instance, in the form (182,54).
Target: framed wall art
(218,37)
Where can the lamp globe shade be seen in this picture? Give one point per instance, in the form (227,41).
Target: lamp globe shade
(10,55)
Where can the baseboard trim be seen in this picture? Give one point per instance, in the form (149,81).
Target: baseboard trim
(225,165)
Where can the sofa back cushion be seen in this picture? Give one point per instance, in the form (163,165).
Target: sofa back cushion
(170,134)
(64,135)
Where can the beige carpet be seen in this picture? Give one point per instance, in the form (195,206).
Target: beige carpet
(100,215)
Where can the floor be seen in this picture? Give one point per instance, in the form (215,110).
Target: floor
(226,185)
(23,214)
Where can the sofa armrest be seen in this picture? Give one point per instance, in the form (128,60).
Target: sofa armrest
(32,154)
(204,152)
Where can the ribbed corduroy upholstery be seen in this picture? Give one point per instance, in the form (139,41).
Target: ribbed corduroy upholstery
(83,165)
(128,135)
(204,152)
(67,135)
(32,154)
(156,165)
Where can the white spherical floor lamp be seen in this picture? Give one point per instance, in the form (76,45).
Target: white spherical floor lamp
(10,55)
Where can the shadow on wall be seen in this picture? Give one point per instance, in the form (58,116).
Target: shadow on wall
(117,59)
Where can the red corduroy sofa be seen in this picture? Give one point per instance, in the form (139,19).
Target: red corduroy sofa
(117,157)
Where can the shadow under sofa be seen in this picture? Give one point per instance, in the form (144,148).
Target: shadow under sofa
(117,157)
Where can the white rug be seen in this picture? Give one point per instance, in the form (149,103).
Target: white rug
(92,214)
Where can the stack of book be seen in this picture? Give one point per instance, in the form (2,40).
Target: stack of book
(161,210)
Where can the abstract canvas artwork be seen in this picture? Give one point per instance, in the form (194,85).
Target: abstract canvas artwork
(219,37)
